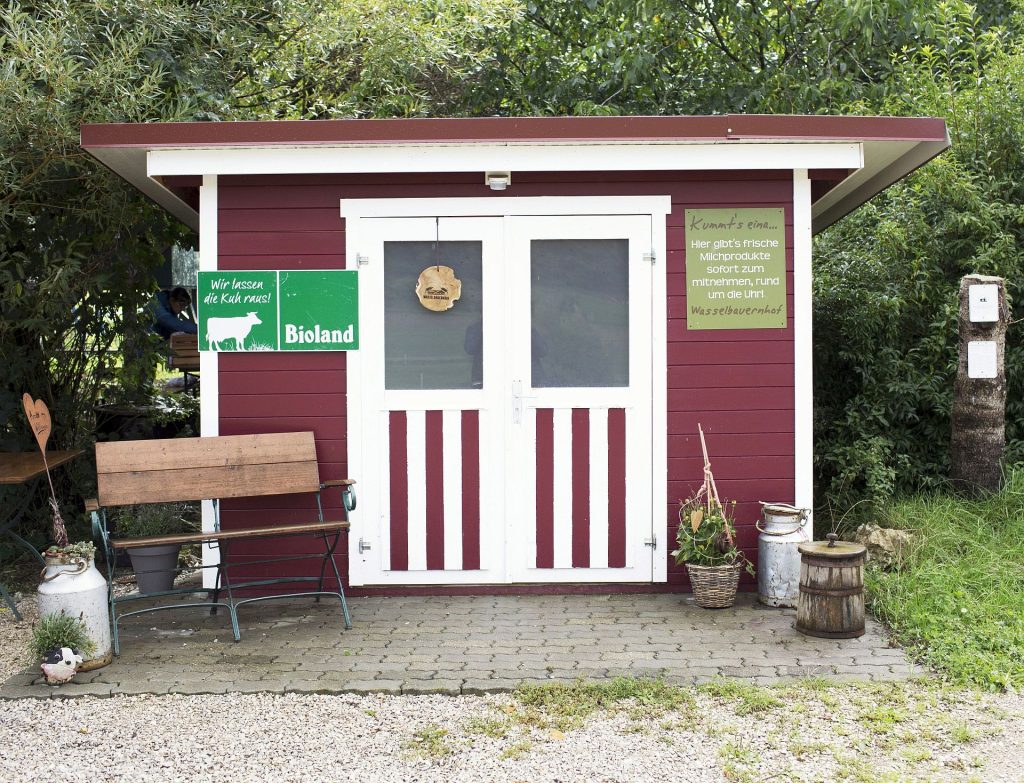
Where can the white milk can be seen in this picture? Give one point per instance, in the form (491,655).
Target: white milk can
(778,560)
(71,584)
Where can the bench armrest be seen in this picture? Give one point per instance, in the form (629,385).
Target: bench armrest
(92,504)
(348,494)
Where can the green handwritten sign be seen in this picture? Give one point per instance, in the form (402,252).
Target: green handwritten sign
(735,269)
(278,311)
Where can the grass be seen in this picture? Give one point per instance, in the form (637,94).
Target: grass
(748,698)
(430,742)
(956,602)
(566,705)
(61,630)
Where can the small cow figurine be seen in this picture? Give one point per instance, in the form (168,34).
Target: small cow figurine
(60,665)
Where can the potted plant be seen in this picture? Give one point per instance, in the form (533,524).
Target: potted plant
(60,642)
(155,566)
(706,543)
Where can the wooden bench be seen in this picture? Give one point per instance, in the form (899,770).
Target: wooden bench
(182,469)
(184,352)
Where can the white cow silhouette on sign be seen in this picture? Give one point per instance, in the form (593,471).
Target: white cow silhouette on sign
(236,328)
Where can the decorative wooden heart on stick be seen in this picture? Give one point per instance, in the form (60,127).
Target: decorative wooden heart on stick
(39,420)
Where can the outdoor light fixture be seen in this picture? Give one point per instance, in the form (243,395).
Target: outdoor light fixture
(498,180)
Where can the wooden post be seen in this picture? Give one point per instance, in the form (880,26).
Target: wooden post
(978,423)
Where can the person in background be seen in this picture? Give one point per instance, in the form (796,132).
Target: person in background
(166,308)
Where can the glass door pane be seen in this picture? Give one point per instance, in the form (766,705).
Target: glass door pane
(579,299)
(424,349)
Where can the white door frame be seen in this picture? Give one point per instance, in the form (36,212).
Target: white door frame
(656,208)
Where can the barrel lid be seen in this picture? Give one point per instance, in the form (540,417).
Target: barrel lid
(841,550)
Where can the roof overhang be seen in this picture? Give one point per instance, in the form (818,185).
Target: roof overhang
(851,158)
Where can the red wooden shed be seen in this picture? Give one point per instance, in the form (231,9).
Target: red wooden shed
(623,279)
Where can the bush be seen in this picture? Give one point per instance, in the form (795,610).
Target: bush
(887,277)
(153,519)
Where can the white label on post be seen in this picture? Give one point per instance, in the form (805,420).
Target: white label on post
(983,303)
(981,359)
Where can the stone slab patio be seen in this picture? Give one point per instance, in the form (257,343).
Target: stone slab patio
(469,644)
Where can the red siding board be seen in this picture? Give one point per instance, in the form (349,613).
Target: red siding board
(763,352)
(295,261)
(235,406)
(332,428)
(276,243)
(730,421)
(724,376)
(299,382)
(735,399)
(727,468)
(736,489)
(288,362)
(737,384)
(289,220)
(771,444)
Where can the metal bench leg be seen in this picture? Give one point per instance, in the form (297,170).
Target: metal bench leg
(337,575)
(109,555)
(222,568)
(329,550)
(217,583)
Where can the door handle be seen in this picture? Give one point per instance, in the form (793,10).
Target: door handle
(517,401)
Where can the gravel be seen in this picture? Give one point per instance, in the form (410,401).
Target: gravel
(804,732)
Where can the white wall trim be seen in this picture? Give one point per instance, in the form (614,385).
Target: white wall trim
(600,156)
(803,357)
(502,207)
(209,364)
(659,395)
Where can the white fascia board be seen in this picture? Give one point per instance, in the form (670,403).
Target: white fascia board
(429,158)
(129,163)
(887,163)
(506,206)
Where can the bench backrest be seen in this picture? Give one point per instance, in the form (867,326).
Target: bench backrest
(231,466)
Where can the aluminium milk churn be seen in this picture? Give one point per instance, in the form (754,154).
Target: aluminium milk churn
(778,560)
(72,585)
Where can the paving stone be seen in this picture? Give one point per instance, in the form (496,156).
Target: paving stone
(392,687)
(255,686)
(425,687)
(198,687)
(24,692)
(21,680)
(74,690)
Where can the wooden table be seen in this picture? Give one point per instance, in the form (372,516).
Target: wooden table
(23,468)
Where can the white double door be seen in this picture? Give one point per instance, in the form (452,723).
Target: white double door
(508,438)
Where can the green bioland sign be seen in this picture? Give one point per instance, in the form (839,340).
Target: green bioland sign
(735,269)
(278,311)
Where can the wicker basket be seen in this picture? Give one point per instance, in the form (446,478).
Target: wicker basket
(714,587)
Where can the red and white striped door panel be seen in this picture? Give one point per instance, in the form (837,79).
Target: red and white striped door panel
(433,490)
(581,485)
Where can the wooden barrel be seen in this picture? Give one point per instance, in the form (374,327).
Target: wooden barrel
(831,600)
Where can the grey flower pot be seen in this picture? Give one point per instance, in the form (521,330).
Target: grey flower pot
(155,566)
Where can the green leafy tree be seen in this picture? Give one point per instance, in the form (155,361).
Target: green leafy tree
(375,58)
(697,56)
(886,278)
(78,247)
